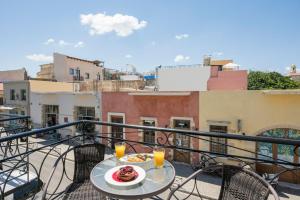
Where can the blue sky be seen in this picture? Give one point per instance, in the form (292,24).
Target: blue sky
(257,34)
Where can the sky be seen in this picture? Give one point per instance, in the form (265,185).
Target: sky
(257,34)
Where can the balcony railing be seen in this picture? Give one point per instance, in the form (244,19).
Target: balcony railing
(26,157)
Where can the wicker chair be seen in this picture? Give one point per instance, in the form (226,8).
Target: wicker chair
(237,184)
(86,157)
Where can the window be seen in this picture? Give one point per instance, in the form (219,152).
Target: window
(279,151)
(98,76)
(22,112)
(181,139)
(66,119)
(86,113)
(218,145)
(23,95)
(12,94)
(78,72)
(87,76)
(50,115)
(71,71)
(149,135)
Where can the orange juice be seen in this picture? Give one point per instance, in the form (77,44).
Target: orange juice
(120,150)
(159,157)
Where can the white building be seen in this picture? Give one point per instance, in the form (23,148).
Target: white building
(129,77)
(183,78)
(52,108)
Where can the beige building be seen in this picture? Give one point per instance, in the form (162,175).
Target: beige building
(46,72)
(17,94)
(13,75)
(252,113)
(68,69)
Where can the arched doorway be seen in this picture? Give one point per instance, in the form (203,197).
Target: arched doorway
(279,152)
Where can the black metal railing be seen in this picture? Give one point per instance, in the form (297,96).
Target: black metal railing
(29,160)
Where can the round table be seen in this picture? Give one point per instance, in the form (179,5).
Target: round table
(157,181)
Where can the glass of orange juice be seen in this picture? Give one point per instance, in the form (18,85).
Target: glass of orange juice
(158,157)
(120,149)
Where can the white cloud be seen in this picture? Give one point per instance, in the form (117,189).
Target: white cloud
(49,41)
(180,58)
(79,44)
(63,43)
(39,58)
(153,43)
(219,53)
(182,36)
(128,56)
(122,25)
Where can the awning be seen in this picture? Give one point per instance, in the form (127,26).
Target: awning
(6,108)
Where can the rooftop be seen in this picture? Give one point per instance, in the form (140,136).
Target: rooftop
(220,62)
(13,75)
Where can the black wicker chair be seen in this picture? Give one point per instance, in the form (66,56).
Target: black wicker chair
(238,183)
(86,157)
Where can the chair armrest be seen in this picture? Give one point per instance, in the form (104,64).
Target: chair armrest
(195,174)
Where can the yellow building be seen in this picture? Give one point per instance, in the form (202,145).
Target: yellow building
(272,113)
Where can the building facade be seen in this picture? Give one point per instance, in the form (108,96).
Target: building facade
(15,76)
(69,69)
(213,75)
(183,78)
(16,97)
(53,108)
(162,109)
(254,113)
(17,94)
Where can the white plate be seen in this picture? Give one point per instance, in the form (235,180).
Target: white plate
(124,159)
(141,176)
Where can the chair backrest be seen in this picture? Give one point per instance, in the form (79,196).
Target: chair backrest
(86,157)
(242,184)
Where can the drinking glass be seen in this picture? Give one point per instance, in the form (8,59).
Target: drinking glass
(120,149)
(159,157)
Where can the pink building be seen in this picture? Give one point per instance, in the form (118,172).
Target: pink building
(178,110)
(227,79)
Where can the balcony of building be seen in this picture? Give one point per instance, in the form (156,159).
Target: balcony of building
(40,164)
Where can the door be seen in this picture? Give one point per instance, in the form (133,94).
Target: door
(116,131)
(218,145)
(182,140)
